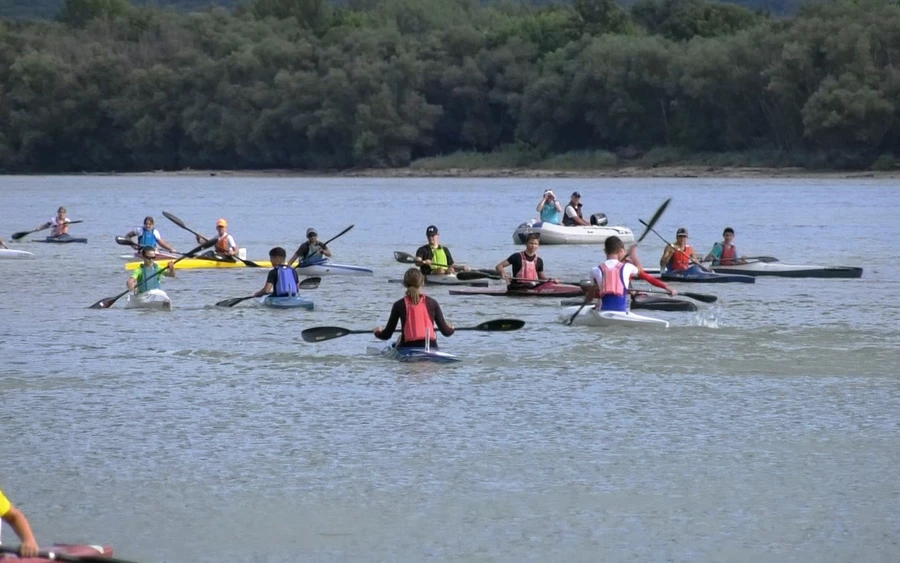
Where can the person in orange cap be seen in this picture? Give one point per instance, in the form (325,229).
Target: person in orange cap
(224,243)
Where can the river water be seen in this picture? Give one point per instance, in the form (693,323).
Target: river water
(763,428)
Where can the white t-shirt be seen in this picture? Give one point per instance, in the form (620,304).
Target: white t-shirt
(55,224)
(629,271)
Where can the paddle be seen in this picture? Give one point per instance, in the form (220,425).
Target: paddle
(127,242)
(694,260)
(180,223)
(404,257)
(320,333)
(765,259)
(55,555)
(108,302)
(653,220)
(306,283)
(20,234)
(704,297)
(303,263)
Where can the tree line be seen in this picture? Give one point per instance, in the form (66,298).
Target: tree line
(111,86)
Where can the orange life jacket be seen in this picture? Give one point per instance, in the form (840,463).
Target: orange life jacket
(419,325)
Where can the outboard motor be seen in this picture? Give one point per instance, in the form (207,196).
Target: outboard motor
(599,219)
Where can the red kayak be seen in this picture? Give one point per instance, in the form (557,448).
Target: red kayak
(62,549)
(546,289)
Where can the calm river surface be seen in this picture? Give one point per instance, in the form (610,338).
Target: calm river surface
(764,428)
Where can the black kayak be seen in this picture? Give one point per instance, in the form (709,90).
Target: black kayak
(649,303)
(706,277)
(62,239)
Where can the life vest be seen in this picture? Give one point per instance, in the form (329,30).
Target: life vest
(568,221)
(529,269)
(222,245)
(681,259)
(728,255)
(614,290)
(549,214)
(419,325)
(145,284)
(287,285)
(147,238)
(439,258)
(313,254)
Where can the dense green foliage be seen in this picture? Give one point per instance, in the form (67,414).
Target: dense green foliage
(379,83)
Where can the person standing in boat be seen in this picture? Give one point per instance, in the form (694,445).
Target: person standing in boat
(144,279)
(432,258)
(224,243)
(573,215)
(19,523)
(680,258)
(611,280)
(725,253)
(311,250)
(417,314)
(59,224)
(148,235)
(282,280)
(549,208)
(527,266)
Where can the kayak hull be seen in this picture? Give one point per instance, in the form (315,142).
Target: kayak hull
(328,268)
(160,256)
(290,302)
(578,234)
(706,277)
(592,317)
(67,549)
(411,354)
(63,239)
(450,279)
(648,303)
(549,289)
(779,269)
(202,264)
(152,299)
(9,254)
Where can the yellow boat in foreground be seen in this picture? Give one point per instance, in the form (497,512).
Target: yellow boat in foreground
(201,264)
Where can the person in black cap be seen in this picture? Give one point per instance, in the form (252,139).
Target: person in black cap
(681,256)
(310,251)
(432,258)
(573,215)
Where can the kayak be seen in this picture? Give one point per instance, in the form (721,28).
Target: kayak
(71,550)
(9,254)
(592,317)
(327,267)
(548,289)
(286,302)
(152,299)
(450,279)
(390,351)
(160,256)
(576,234)
(648,302)
(705,277)
(759,268)
(202,264)
(62,239)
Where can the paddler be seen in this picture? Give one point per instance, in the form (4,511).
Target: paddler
(611,280)
(224,243)
(148,235)
(725,253)
(417,314)
(140,281)
(282,280)
(527,266)
(310,250)
(680,258)
(59,224)
(433,258)
(19,523)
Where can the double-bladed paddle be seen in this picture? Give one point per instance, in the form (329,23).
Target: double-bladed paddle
(180,223)
(108,302)
(764,259)
(57,556)
(303,263)
(404,257)
(307,283)
(694,260)
(320,333)
(649,227)
(20,234)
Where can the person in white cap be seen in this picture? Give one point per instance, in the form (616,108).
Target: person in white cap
(311,250)
(549,208)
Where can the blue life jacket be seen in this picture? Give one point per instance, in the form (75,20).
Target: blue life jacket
(287,284)
(147,238)
(549,214)
(146,285)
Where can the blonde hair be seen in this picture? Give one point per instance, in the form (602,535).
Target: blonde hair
(414,281)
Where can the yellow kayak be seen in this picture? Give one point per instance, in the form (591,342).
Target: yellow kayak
(201,264)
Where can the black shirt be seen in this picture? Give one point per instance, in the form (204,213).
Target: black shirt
(425,253)
(398,313)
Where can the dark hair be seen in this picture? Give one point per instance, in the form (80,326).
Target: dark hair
(149,218)
(146,249)
(277,251)
(613,244)
(536,236)
(727,230)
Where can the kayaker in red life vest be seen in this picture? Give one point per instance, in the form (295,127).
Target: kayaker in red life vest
(725,253)
(527,266)
(417,314)
(225,245)
(680,257)
(611,280)
(19,523)
(433,258)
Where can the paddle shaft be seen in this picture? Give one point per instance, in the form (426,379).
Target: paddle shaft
(318,334)
(20,234)
(308,283)
(57,556)
(694,260)
(180,223)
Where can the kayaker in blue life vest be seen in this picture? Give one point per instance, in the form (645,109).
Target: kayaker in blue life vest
(417,314)
(611,280)
(282,280)
(148,235)
(725,253)
(527,266)
(432,258)
(680,258)
(310,251)
(19,523)
(144,279)
(549,208)
(573,214)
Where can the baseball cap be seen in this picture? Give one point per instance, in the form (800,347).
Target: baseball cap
(311,231)
(681,231)
(221,223)
(431,230)
(576,194)
(549,191)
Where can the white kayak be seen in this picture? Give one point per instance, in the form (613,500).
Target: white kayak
(411,354)
(8,254)
(152,299)
(329,268)
(451,279)
(592,317)
(577,234)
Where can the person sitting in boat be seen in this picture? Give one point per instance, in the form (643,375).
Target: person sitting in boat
(527,266)
(312,250)
(432,258)
(59,224)
(680,258)
(148,235)
(224,243)
(725,253)
(417,314)
(282,280)
(144,277)
(611,280)
(19,523)
(573,215)
(549,208)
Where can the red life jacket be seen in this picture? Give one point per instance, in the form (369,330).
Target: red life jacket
(419,325)
(681,259)
(728,255)
(612,280)
(222,244)
(529,269)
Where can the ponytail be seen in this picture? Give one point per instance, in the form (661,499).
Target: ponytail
(414,281)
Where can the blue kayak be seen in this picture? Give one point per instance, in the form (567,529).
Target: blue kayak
(412,354)
(696,275)
(287,302)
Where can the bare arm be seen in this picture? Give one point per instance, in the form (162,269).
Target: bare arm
(501,269)
(165,245)
(19,523)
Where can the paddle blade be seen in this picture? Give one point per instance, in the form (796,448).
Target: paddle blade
(20,234)
(498,325)
(310,283)
(402,257)
(249,263)
(650,224)
(320,333)
(175,220)
(474,275)
(704,297)
(232,302)
(126,242)
(107,303)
